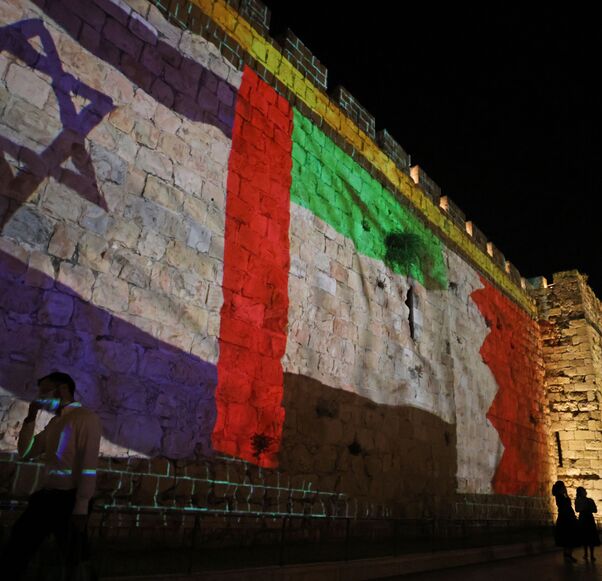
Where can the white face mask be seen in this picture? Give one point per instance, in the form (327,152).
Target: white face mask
(50,404)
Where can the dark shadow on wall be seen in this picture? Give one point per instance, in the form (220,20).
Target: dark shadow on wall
(399,456)
(152,397)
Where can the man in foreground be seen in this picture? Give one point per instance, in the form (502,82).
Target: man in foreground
(68,446)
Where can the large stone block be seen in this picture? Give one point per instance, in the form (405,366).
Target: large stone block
(27,225)
(132,268)
(28,85)
(152,244)
(145,133)
(111,293)
(92,250)
(155,163)
(78,279)
(29,121)
(164,194)
(108,166)
(199,237)
(64,241)
(40,271)
(56,309)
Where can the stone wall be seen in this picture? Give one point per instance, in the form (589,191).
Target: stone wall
(267,313)
(571,323)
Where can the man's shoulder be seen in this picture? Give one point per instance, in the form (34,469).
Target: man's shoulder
(82,413)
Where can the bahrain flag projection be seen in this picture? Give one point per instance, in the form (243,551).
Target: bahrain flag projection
(517,410)
(312,267)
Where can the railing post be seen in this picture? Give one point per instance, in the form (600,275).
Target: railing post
(435,529)
(193,541)
(347,527)
(282,541)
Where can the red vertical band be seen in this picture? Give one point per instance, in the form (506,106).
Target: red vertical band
(517,409)
(254,314)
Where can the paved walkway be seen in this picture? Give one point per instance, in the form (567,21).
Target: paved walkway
(546,567)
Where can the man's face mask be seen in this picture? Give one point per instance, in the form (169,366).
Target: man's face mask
(49,399)
(50,404)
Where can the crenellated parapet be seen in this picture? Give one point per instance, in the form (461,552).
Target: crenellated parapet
(240,28)
(395,151)
(296,52)
(255,12)
(356,112)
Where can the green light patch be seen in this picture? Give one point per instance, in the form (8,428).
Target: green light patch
(329,183)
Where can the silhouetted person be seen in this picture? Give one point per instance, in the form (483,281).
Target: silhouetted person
(68,447)
(586,507)
(566,531)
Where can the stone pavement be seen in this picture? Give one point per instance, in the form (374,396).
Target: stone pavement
(440,565)
(543,567)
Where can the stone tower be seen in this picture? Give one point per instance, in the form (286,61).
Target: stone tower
(570,321)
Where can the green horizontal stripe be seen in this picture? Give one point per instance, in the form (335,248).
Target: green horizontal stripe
(329,183)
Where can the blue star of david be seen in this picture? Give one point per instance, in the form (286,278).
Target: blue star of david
(76,125)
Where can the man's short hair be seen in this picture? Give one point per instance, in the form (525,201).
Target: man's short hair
(59,378)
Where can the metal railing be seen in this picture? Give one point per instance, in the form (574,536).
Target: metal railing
(128,541)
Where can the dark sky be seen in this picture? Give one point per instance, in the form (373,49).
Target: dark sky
(499,107)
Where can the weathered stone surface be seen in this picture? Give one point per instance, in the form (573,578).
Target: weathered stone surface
(148,214)
(199,237)
(123,232)
(60,202)
(131,267)
(4,62)
(164,194)
(188,180)
(77,279)
(155,163)
(56,310)
(146,133)
(108,166)
(152,244)
(118,88)
(153,306)
(174,147)
(92,252)
(27,84)
(166,119)
(40,272)
(123,119)
(63,241)
(572,348)
(30,121)
(111,293)
(30,227)
(143,105)
(95,219)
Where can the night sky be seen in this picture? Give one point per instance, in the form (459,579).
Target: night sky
(497,106)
